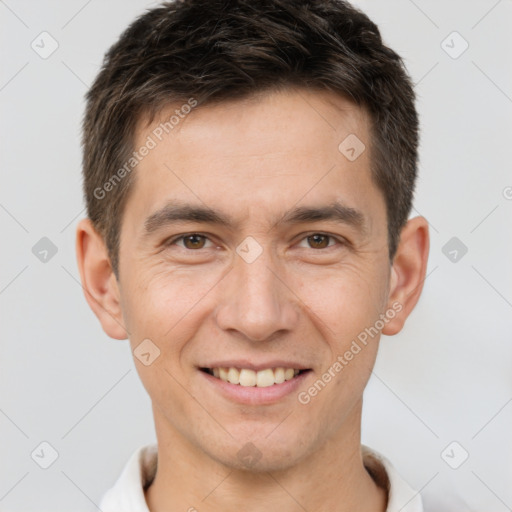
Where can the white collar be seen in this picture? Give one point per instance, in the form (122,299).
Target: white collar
(127,494)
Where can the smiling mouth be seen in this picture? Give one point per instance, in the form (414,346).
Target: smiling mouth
(249,378)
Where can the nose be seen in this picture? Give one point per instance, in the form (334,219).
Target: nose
(256,301)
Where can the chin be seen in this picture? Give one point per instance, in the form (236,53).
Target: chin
(257,461)
(261,455)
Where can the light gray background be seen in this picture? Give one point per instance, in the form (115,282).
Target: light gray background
(447,377)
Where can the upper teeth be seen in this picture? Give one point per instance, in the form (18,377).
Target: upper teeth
(260,379)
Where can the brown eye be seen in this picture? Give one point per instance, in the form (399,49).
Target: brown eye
(318,241)
(194,241)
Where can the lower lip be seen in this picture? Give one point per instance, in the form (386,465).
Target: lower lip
(254,395)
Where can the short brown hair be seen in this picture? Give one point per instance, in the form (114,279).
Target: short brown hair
(219,50)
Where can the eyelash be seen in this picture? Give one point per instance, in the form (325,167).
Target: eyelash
(331,237)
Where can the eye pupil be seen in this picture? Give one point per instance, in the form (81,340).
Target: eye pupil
(318,241)
(194,241)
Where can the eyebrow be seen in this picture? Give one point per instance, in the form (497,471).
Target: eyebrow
(336,211)
(172,213)
(179,212)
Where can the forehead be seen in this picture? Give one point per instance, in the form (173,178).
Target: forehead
(295,117)
(263,153)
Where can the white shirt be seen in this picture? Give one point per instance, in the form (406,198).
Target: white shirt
(127,494)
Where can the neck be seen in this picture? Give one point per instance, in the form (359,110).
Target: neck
(332,478)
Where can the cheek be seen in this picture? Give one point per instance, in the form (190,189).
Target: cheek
(165,308)
(160,302)
(342,302)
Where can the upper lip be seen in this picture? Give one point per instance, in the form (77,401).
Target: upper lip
(251,365)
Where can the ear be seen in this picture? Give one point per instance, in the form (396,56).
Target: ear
(407,273)
(98,280)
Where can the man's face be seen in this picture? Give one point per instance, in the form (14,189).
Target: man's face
(273,276)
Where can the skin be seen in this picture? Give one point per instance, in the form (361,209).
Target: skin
(303,299)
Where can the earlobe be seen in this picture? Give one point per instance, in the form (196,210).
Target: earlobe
(408,272)
(98,280)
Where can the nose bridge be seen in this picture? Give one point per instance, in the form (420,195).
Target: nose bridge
(257,283)
(256,303)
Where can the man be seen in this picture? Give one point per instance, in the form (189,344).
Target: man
(249,171)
